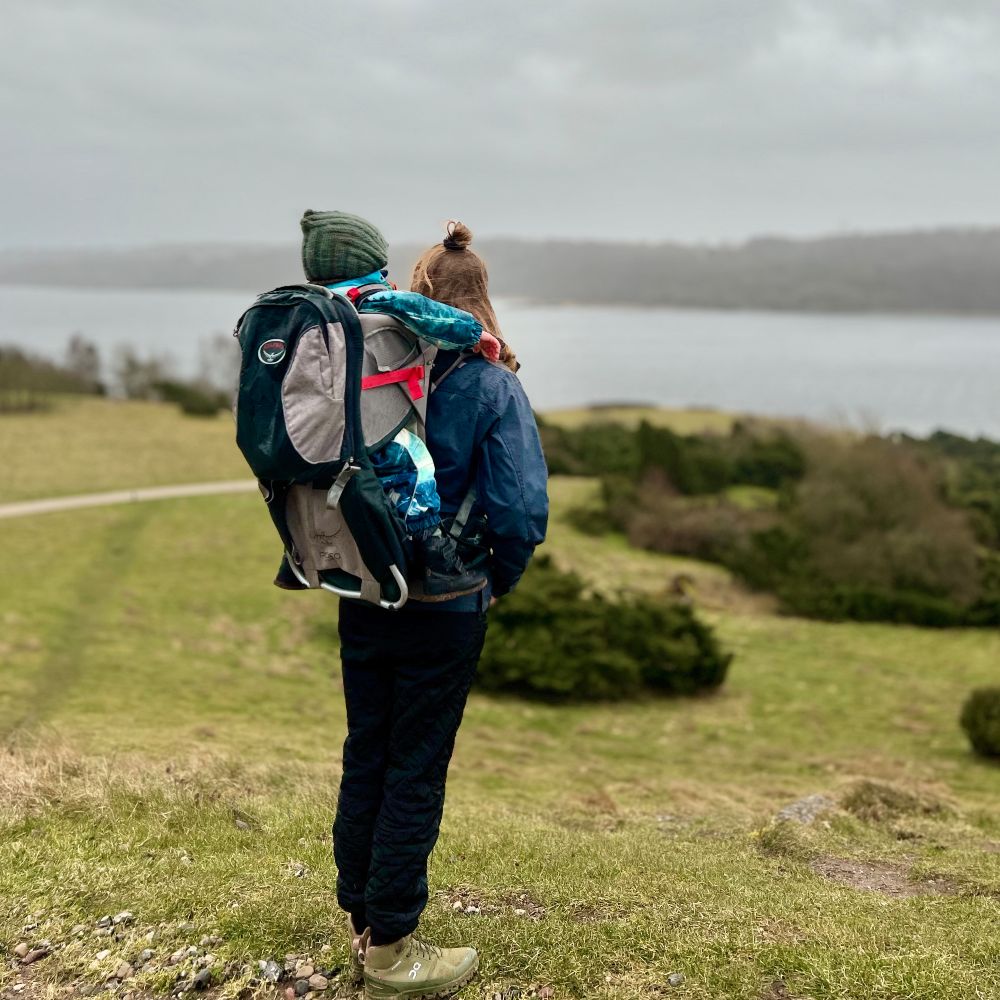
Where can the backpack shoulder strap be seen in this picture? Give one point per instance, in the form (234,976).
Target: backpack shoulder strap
(454,366)
(464,511)
(359,295)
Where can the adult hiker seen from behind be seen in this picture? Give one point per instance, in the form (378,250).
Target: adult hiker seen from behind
(407,673)
(469,505)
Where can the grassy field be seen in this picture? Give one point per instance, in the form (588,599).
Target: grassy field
(87,445)
(689,421)
(172,727)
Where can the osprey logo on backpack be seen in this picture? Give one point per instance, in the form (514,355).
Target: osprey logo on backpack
(271,351)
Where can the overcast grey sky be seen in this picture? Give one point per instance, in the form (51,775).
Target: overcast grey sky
(141,121)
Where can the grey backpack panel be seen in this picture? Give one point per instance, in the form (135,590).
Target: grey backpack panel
(390,347)
(321,535)
(312,395)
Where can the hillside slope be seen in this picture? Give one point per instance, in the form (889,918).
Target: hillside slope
(173,725)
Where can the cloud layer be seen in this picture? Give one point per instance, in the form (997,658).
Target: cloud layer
(660,119)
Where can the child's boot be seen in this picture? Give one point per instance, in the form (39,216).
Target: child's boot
(445,574)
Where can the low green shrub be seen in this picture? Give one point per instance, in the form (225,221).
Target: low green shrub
(981,721)
(27,381)
(550,639)
(769,460)
(693,465)
(596,449)
(193,399)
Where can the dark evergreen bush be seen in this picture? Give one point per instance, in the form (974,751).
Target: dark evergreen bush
(194,400)
(595,449)
(549,639)
(841,602)
(770,461)
(981,721)
(694,465)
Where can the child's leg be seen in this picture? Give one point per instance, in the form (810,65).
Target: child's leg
(406,470)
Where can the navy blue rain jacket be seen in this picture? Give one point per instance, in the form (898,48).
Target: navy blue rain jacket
(480,428)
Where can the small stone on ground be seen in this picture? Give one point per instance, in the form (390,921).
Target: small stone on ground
(806,810)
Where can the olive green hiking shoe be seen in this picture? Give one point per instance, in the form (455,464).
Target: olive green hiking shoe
(359,945)
(415,970)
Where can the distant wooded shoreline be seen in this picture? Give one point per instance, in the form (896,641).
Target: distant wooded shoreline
(954,271)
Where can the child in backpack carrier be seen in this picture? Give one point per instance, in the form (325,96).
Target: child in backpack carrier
(335,242)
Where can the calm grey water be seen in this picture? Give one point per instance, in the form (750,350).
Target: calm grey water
(889,372)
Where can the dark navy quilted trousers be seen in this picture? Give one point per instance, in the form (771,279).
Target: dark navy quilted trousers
(406,681)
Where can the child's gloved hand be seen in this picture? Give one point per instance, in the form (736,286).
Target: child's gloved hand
(489,346)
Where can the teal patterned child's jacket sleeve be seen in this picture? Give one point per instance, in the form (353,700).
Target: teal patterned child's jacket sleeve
(438,324)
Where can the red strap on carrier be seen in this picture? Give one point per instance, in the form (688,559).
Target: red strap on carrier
(413,377)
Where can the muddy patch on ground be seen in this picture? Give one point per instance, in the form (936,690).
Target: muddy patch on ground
(776,991)
(881,876)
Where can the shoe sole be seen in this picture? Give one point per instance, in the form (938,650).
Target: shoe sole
(382,992)
(424,598)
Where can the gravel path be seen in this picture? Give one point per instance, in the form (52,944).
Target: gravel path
(25,508)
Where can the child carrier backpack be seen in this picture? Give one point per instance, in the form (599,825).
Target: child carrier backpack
(322,387)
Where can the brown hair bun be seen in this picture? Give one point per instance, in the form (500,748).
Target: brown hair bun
(459,236)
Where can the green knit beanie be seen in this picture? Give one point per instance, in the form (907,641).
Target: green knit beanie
(338,245)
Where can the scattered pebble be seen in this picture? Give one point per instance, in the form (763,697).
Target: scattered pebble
(290,993)
(520,913)
(675,978)
(270,970)
(35,955)
(301,987)
(104,932)
(203,979)
(318,982)
(185,926)
(191,951)
(102,955)
(22,949)
(124,971)
(241,824)
(304,971)
(177,956)
(79,930)
(457,906)
(145,955)
(125,917)
(105,921)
